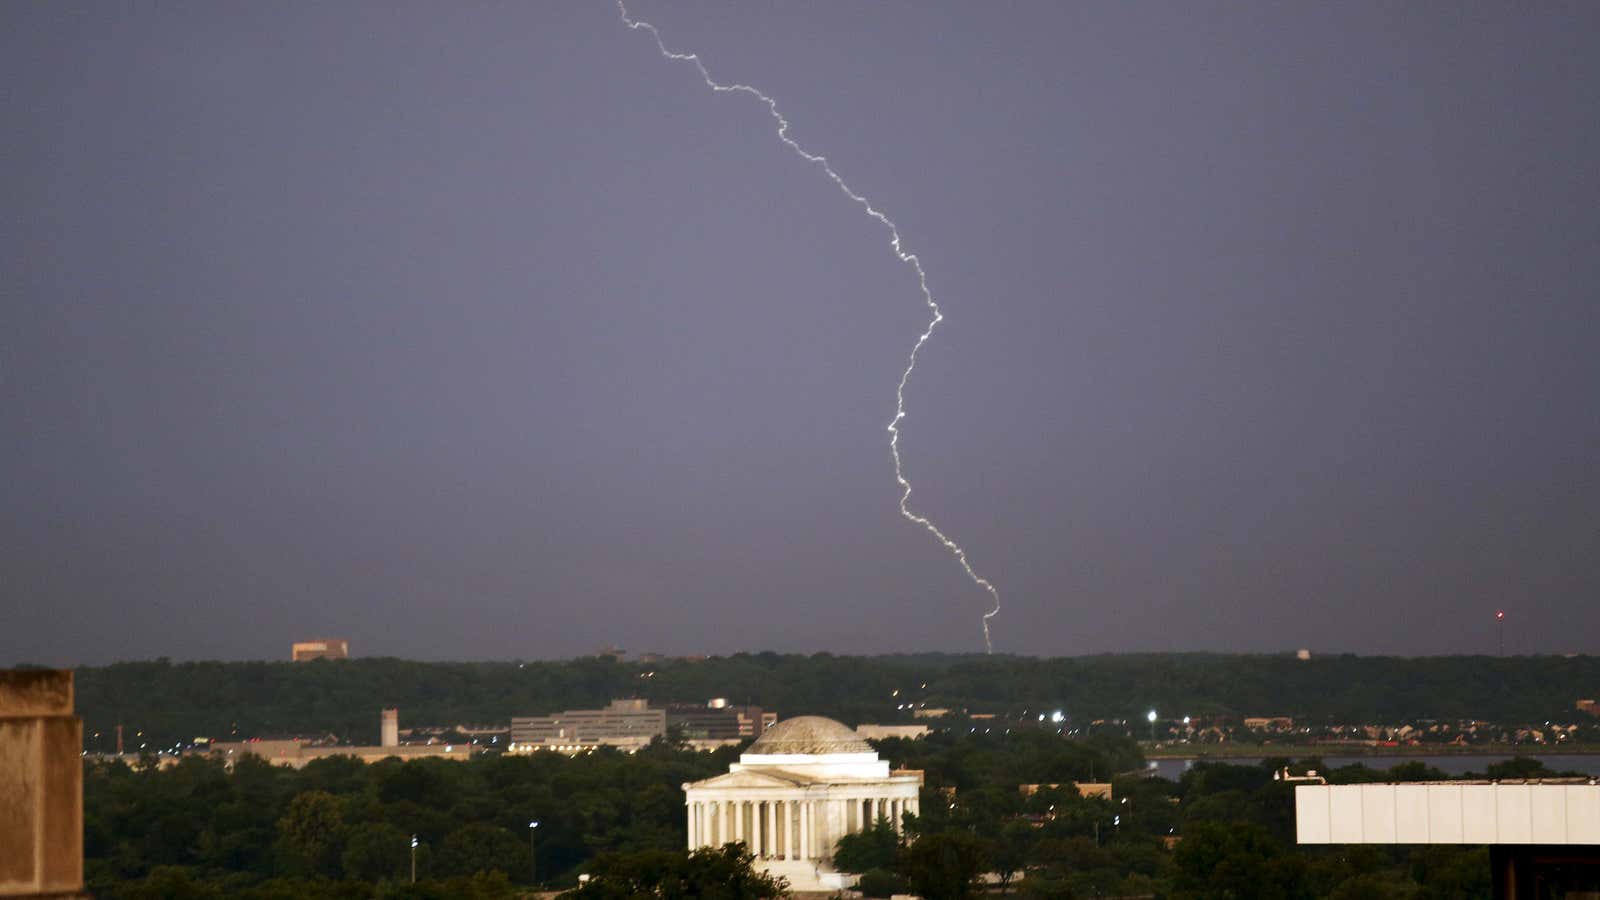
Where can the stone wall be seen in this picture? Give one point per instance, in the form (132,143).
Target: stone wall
(41,786)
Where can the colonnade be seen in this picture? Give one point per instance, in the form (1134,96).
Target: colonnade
(789,827)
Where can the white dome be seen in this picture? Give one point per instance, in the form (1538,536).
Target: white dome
(810,735)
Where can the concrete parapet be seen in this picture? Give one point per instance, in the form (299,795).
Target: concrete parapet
(41,786)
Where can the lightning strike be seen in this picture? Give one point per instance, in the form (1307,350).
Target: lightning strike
(909,259)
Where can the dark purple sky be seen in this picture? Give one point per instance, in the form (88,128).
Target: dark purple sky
(482,331)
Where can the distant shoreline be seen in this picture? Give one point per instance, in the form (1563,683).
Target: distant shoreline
(1300,751)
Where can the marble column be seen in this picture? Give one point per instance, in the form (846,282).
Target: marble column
(805,830)
(771,843)
(788,830)
(693,831)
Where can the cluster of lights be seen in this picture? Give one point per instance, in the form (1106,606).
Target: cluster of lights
(569,749)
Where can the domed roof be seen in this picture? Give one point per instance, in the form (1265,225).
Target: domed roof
(809,734)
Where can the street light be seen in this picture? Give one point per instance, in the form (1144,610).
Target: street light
(1151,715)
(413,859)
(533,852)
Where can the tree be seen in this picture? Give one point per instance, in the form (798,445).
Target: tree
(1011,851)
(1519,767)
(1452,872)
(712,873)
(311,832)
(874,847)
(171,883)
(374,851)
(881,883)
(1217,861)
(484,848)
(944,866)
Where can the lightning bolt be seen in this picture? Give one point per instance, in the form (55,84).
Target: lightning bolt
(909,259)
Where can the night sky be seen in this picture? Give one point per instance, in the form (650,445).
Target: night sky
(479,331)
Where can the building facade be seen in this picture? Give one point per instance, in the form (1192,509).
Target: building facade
(805,783)
(324,648)
(886,732)
(625,724)
(716,721)
(41,786)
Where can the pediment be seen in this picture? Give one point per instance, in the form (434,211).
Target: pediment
(745,779)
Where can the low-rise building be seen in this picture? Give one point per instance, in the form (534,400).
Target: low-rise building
(296,754)
(717,721)
(883,732)
(1101,789)
(322,648)
(624,724)
(1269,723)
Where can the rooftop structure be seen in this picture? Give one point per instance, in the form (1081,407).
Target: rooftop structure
(389,728)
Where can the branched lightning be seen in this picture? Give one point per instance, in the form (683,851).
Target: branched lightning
(909,259)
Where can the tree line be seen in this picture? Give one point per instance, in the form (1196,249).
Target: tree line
(173,702)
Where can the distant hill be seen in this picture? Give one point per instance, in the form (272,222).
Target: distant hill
(179,701)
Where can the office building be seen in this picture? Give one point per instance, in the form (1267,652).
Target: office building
(625,724)
(324,648)
(717,721)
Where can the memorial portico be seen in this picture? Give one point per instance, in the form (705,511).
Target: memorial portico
(801,786)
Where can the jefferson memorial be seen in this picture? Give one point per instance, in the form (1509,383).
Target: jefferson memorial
(802,785)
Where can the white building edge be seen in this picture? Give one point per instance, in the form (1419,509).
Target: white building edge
(1449,812)
(1543,835)
(801,786)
